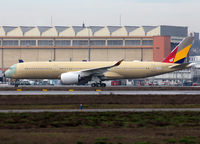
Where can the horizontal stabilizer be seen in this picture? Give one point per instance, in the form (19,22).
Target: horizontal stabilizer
(180,66)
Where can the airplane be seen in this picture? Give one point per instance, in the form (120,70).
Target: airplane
(98,71)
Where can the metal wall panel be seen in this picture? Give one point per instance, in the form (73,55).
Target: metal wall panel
(133,54)
(64,54)
(45,54)
(147,54)
(80,54)
(10,57)
(115,54)
(29,55)
(100,54)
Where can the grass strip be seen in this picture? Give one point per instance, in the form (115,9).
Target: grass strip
(93,106)
(99,120)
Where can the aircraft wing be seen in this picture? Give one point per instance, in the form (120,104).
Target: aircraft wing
(99,71)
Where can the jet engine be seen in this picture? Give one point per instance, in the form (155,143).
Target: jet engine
(70,78)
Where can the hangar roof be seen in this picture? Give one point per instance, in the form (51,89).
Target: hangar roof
(175,31)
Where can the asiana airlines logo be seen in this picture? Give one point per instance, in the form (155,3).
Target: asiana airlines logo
(171,60)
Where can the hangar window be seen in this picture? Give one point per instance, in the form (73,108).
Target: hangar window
(10,42)
(80,42)
(132,42)
(97,42)
(63,42)
(147,42)
(28,42)
(115,42)
(45,42)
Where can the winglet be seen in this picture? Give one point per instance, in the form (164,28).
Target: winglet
(118,63)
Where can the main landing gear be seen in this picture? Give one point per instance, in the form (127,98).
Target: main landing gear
(98,85)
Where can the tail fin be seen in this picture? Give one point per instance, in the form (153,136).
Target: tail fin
(179,54)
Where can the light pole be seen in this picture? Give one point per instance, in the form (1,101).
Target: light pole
(2,58)
(2,61)
(89,44)
(54,49)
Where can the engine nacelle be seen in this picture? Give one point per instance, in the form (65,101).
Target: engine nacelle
(70,78)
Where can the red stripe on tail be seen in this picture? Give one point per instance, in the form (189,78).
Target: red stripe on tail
(170,58)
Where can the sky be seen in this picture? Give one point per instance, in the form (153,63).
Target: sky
(101,13)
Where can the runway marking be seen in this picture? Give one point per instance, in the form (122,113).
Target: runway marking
(19,89)
(98,90)
(44,90)
(71,90)
(103,110)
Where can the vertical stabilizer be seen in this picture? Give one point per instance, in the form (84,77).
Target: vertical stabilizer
(179,54)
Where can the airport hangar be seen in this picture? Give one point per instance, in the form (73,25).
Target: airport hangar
(95,43)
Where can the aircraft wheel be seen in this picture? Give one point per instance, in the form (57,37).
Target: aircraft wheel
(98,85)
(103,85)
(93,85)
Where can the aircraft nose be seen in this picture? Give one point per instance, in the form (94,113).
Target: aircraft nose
(8,74)
(11,71)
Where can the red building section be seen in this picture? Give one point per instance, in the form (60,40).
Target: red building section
(161,47)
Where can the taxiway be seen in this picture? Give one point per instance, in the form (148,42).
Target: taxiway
(177,92)
(103,110)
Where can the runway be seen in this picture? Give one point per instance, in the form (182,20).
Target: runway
(103,110)
(177,92)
